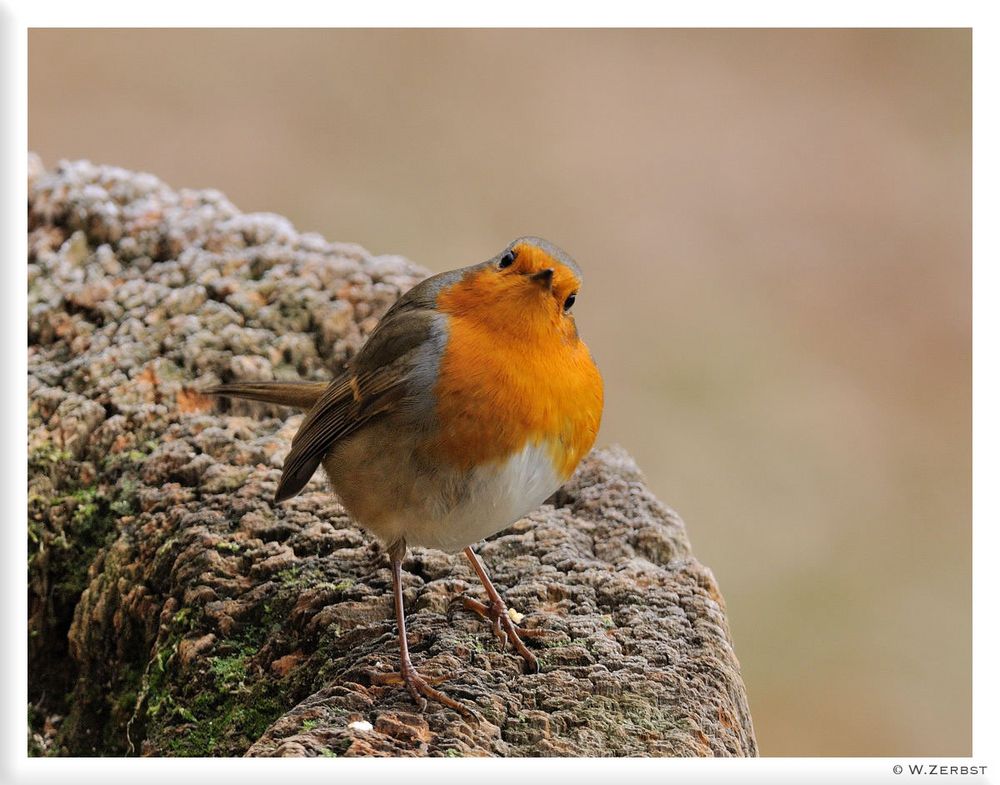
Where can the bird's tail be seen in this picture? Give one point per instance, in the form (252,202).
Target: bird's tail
(301,395)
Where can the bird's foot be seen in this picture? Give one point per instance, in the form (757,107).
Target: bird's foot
(420,689)
(505,629)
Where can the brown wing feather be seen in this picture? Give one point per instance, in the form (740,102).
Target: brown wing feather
(301,395)
(374,385)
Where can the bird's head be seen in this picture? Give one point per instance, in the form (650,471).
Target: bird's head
(530,288)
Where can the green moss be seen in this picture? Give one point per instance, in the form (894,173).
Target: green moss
(166,546)
(65,534)
(627,716)
(155,700)
(343,585)
(231,727)
(296,577)
(230,671)
(127,461)
(90,525)
(198,741)
(473,643)
(93,512)
(230,479)
(208,706)
(214,706)
(68,526)
(36,530)
(308,725)
(125,502)
(87,508)
(46,456)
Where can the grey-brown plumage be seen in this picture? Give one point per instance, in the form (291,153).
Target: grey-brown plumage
(392,372)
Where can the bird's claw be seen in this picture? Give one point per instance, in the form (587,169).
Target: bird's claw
(420,689)
(505,629)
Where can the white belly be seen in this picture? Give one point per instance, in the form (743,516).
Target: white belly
(387,491)
(496,497)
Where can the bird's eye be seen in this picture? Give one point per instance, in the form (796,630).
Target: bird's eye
(569,302)
(507,259)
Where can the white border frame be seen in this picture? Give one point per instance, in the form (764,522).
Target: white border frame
(16,17)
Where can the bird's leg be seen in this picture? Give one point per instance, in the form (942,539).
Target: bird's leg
(416,685)
(496,611)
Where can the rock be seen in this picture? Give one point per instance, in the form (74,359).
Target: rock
(174,611)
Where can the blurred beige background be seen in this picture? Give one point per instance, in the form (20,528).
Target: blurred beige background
(776,232)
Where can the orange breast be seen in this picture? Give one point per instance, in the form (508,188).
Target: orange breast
(508,377)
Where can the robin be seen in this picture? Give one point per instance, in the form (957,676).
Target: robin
(471,402)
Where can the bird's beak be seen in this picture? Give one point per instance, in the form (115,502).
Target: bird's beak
(544,277)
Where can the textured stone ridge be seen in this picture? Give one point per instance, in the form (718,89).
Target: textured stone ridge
(174,611)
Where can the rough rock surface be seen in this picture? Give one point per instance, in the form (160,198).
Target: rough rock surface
(174,611)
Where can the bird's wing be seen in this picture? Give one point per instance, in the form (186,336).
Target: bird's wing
(378,379)
(301,395)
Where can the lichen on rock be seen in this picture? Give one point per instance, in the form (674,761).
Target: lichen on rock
(173,610)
